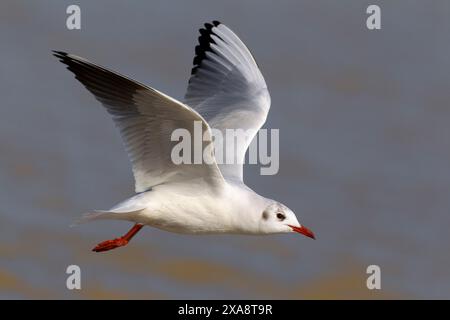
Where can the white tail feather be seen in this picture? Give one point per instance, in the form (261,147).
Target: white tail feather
(105,215)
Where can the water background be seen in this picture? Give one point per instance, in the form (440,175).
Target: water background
(364,150)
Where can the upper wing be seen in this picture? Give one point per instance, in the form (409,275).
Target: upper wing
(228,90)
(146,119)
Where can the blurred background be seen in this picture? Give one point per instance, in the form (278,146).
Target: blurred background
(364,150)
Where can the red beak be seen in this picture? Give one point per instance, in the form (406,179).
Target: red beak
(303,230)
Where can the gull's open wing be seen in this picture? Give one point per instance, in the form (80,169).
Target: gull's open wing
(228,90)
(146,119)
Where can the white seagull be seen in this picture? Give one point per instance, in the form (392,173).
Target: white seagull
(226,90)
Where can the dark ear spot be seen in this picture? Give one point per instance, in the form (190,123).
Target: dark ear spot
(265,215)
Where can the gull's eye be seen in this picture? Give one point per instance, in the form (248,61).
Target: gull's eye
(281,216)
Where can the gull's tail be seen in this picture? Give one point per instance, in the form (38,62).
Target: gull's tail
(106,215)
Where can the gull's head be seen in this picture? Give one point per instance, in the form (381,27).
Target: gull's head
(277,218)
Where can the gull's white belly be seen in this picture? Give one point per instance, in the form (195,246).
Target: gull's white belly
(195,210)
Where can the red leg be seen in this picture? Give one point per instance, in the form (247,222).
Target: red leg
(118,242)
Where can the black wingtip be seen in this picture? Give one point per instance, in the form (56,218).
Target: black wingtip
(59,54)
(210,25)
(204,44)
